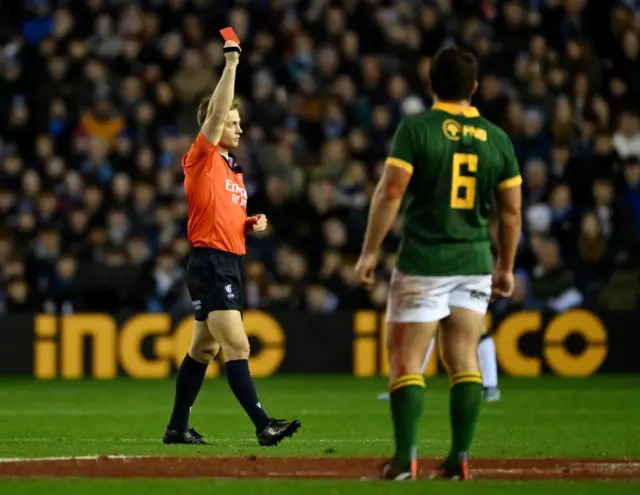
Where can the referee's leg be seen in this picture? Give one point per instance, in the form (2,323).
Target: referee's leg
(189,380)
(227,328)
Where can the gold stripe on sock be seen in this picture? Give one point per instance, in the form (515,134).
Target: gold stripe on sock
(406,381)
(466,377)
(416,383)
(465,374)
(469,379)
(407,377)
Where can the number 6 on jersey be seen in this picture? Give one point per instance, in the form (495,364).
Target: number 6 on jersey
(463,187)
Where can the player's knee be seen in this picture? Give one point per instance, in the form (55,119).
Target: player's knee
(404,360)
(461,359)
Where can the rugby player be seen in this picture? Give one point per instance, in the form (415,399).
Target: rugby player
(445,168)
(216,229)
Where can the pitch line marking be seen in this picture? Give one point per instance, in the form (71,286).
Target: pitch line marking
(304,412)
(214,441)
(70,458)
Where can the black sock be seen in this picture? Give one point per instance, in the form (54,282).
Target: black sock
(188,383)
(242,386)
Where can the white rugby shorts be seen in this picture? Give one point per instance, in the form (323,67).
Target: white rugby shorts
(419,299)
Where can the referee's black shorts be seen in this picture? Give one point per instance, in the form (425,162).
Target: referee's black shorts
(215,281)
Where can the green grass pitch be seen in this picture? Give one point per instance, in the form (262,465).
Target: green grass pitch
(547,417)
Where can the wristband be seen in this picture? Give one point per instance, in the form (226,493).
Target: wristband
(230,49)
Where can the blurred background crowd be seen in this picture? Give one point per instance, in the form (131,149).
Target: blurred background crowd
(97,107)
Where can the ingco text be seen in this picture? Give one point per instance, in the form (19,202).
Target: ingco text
(370,352)
(67,346)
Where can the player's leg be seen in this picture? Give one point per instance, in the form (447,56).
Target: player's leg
(227,329)
(385,395)
(489,367)
(460,336)
(414,308)
(189,380)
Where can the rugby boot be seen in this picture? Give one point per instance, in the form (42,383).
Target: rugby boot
(390,471)
(455,470)
(189,436)
(491,394)
(275,431)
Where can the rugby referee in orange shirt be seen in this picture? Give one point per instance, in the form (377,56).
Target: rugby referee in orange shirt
(217,226)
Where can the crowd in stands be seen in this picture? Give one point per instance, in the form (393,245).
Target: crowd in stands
(97,107)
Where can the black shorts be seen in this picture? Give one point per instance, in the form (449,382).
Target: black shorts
(215,281)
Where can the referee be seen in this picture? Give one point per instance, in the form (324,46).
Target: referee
(217,226)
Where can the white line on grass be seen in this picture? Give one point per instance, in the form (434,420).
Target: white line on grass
(70,458)
(214,441)
(305,412)
(201,411)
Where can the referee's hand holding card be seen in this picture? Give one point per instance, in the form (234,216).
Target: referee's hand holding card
(232,51)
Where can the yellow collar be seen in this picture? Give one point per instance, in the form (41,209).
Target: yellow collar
(453,109)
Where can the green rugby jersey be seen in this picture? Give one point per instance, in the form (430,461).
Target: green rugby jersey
(458,160)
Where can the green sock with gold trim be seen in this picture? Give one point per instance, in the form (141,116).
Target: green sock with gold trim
(465,400)
(407,402)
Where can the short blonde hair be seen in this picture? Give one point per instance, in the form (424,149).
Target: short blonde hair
(204,106)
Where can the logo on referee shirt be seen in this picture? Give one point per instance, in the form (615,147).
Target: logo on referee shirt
(229,289)
(197,305)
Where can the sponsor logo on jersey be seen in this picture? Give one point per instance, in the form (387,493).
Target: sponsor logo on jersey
(454,131)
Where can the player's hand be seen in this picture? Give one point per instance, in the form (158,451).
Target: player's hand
(502,284)
(365,269)
(257,223)
(232,56)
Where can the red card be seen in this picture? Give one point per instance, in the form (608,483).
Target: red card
(229,34)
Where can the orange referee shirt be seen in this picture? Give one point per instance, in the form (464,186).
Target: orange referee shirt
(217,199)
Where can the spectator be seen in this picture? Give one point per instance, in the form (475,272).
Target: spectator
(593,262)
(626,140)
(631,187)
(552,285)
(102,121)
(192,80)
(167,283)
(319,300)
(562,217)
(535,181)
(60,294)
(614,215)
(19,298)
(97,109)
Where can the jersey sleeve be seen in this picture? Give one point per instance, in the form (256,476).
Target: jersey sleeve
(402,149)
(510,176)
(197,157)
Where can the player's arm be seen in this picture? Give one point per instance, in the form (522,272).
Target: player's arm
(388,194)
(509,199)
(222,96)
(385,204)
(509,226)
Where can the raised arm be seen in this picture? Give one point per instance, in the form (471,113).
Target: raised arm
(222,97)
